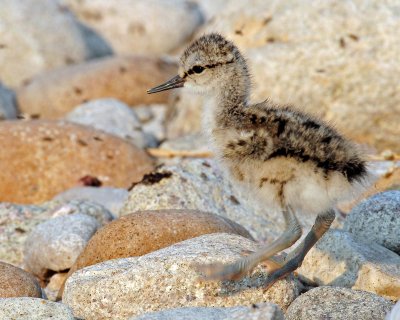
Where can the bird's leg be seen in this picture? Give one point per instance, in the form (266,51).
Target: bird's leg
(238,269)
(296,257)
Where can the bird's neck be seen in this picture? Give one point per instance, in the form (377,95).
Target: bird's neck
(226,103)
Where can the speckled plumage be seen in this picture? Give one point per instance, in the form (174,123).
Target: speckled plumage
(287,159)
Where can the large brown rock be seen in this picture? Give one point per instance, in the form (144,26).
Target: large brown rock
(55,93)
(40,159)
(15,282)
(142,232)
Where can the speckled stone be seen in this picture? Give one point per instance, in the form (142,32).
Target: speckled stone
(15,282)
(340,260)
(142,232)
(338,303)
(114,117)
(377,219)
(44,158)
(33,309)
(260,311)
(137,27)
(38,36)
(167,279)
(55,93)
(16,222)
(199,184)
(56,243)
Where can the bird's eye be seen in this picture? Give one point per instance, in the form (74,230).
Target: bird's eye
(198,69)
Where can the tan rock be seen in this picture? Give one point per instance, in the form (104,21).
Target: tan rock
(340,260)
(55,93)
(43,158)
(165,279)
(142,232)
(38,36)
(334,59)
(15,282)
(153,26)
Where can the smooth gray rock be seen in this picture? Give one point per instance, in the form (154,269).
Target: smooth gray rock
(338,304)
(167,279)
(83,206)
(33,309)
(340,260)
(261,311)
(109,197)
(112,116)
(8,108)
(377,219)
(56,243)
(41,35)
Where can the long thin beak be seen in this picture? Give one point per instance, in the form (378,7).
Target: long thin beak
(175,82)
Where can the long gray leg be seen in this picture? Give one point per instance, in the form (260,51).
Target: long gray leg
(238,269)
(296,257)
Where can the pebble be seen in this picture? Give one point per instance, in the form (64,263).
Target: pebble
(33,309)
(377,219)
(56,243)
(16,282)
(338,259)
(260,311)
(38,36)
(8,108)
(338,303)
(114,117)
(166,279)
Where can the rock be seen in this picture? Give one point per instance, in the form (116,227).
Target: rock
(8,109)
(136,27)
(394,313)
(49,37)
(33,309)
(190,142)
(44,158)
(166,279)
(15,282)
(55,283)
(340,260)
(152,118)
(377,219)
(142,232)
(108,197)
(199,185)
(16,222)
(261,311)
(56,243)
(316,65)
(111,116)
(55,93)
(338,303)
(95,210)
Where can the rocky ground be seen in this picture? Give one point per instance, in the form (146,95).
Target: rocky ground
(109,196)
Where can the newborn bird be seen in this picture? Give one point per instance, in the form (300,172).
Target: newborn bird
(289,160)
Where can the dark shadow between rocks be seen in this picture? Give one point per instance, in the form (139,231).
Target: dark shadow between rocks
(96,45)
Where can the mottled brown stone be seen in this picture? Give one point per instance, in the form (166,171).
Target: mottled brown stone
(40,159)
(15,282)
